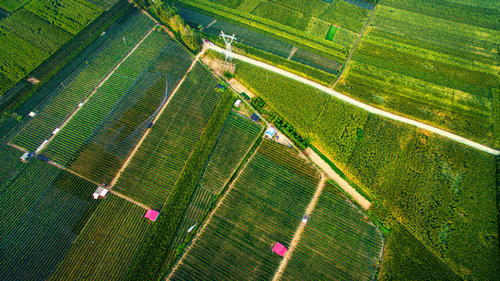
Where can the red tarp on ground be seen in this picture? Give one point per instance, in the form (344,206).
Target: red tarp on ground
(151,214)
(279,249)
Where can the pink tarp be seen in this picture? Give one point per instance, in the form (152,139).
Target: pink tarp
(279,249)
(151,214)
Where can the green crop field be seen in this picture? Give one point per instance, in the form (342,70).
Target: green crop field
(42,209)
(107,244)
(157,163)
(109,145)
(338,243)
(233,143)
(67,142)
(37,30)
(396,164)
(424,61)
(255,214)
(61,107)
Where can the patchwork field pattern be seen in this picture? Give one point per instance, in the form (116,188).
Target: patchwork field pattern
(157,163)
(66,143)
(255,214)
(338,243)
(112,141)
(395,164)
(435,66)
(63,105)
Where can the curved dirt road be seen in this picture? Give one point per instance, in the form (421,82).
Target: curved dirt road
(359,104)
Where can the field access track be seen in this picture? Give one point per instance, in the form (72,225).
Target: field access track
(361,105)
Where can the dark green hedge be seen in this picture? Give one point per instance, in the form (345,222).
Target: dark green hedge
(148,263)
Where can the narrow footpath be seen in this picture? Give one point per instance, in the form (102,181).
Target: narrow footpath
(300,229)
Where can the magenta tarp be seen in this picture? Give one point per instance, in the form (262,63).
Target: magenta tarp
(279,249)
(151,214)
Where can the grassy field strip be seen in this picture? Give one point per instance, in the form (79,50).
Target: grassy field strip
(125,164)
(362,201)
(95,89)
(300,229)
(361,105)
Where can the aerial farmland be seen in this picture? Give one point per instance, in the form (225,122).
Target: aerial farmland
(249,140)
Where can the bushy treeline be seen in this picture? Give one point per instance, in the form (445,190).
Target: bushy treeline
(148,263)
(168,15)
(443,192)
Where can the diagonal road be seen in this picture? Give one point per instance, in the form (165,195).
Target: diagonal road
(359,104)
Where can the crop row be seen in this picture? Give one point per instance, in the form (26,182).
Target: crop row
(68,141)
(395,164)
(338,243)
(256,213)
(61,107)
(42,210)
(106,246)
(157,163)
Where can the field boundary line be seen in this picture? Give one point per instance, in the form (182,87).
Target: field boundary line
(300,229)
(316,159)
(96,88)
(359,104)
(131,155)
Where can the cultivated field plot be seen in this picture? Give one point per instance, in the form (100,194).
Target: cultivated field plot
(338,243)
(234,142)
(111,142)
(436,62)
(156,164)
(395,164)
(36,31)
(105,248)
(67,101)
(264,206)
(67,142)
(42,211)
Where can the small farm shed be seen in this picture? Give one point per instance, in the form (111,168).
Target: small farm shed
(151,214)
(254,117)
(220,87)
(279,249)
(100,192)
(237,103)
(270,132)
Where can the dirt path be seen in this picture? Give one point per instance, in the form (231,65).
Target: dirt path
(43,146)
(300,229)
(362,201)
(361,105)
(131,155)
